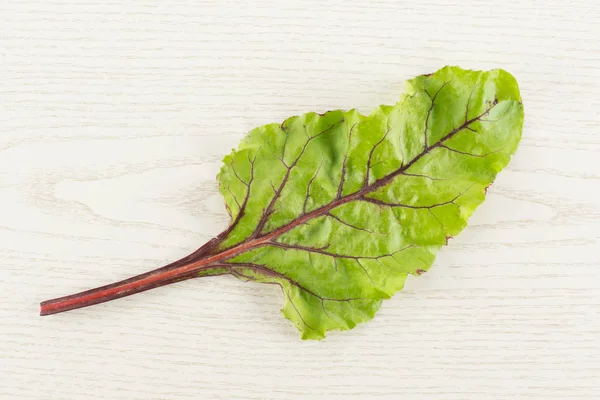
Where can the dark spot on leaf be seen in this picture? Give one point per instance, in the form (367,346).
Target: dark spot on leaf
(420,271)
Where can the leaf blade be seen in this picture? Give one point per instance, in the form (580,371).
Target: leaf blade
(402,179)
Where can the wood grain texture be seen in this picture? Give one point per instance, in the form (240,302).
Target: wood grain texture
(113,122)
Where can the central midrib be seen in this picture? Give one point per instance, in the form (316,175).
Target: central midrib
(210,262)
(268,237)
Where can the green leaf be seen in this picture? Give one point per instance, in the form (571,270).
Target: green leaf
(339,208)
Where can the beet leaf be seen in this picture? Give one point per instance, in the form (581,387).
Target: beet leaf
(338,208)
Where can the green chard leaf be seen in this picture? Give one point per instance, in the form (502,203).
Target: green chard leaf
(339,208)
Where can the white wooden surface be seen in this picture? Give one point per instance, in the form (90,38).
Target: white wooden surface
(113,121)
